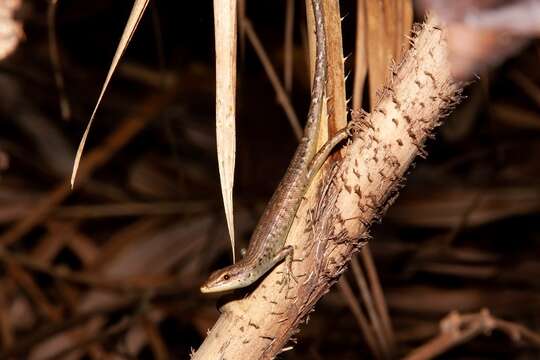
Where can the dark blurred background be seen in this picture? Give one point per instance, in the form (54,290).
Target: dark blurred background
(112,268)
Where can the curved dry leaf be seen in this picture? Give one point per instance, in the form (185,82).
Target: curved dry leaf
(136,14)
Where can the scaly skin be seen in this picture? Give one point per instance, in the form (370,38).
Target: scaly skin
(267,245)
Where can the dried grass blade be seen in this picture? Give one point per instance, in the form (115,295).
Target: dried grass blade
(136,14)
(225,38)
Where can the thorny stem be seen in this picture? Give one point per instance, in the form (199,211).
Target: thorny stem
(334,218)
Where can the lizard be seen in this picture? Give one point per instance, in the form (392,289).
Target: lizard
(267,245)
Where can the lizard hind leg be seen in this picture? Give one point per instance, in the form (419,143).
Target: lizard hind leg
(287,254)
(321,156)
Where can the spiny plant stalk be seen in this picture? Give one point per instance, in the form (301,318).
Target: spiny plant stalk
(334,220)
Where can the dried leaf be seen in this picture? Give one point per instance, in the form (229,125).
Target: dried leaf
(225,30)
(136,14)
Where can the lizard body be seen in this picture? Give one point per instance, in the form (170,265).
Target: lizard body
(267,244)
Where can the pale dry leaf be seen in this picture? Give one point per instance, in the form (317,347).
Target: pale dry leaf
(225,38)
(136,14)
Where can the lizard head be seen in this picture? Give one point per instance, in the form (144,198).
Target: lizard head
(229,278)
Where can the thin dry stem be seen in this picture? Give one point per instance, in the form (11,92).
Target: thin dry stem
(159,349)
(457,329)
(54,54)
(367,330)
(288,47)
(377,48)
(360,56)
(6,328)
(378,296)
(527,85)
(281,93)
(241,17)
(367,300)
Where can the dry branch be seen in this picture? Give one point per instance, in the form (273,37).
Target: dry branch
(335,217)
(457,329)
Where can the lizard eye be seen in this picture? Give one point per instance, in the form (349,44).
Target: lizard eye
(226,277)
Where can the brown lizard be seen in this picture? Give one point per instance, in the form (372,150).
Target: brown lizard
(267,245)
